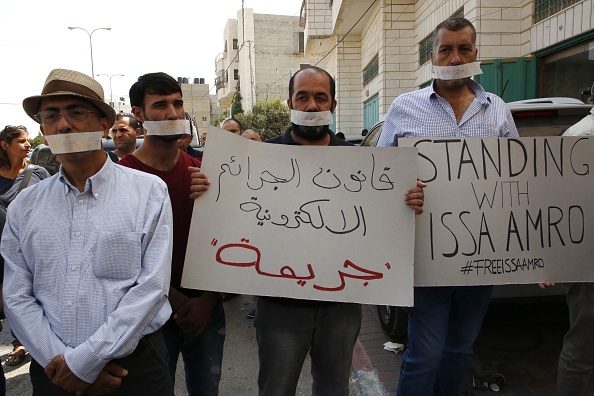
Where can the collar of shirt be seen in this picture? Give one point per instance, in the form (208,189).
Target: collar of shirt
(95,183)
(479,92)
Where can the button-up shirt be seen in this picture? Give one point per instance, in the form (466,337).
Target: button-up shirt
(424,113)
(87,274)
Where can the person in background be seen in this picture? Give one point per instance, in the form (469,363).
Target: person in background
(252,135)
(445,321)
(340,135)
(233,125)
(203,139)
(85,281)
(364,132)
(124,133)
(184,142)
(576,361)
(16,174)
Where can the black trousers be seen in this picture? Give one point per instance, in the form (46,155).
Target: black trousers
(147,372)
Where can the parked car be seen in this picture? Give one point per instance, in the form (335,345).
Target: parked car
(533,117)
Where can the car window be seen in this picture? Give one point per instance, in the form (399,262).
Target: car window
(551,122)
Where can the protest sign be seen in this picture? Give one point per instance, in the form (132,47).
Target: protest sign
(504,211)
(317,223)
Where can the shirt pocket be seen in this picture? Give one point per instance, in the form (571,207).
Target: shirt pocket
(118,255)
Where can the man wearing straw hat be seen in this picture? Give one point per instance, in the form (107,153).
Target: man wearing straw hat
(85,281)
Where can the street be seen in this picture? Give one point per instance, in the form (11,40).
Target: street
(240,361)
(521,341)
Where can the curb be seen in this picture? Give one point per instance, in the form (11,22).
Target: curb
(363,375)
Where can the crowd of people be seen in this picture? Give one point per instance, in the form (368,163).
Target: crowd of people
(93,292)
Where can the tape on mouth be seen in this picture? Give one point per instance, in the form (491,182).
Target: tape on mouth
(458,71)
(167,128)
(75,142)
(311,118)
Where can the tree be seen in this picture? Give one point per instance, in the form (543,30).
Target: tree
(36,141)
(268,118)
(217,121)
(236,107)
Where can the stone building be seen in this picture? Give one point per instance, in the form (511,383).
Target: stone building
(261,52)
(377,50)
(196,101)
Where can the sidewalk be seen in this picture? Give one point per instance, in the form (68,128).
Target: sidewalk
(520,341)
(375,370)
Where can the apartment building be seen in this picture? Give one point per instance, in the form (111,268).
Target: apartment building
(260,53)
(196,101)
(379,49)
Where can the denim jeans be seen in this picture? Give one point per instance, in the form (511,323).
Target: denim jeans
(285,333)
(576,361)
(202,355)
(442,327)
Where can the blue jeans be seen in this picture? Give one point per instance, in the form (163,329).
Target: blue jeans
(576,361)
(202,355)
(442,327)
(285,333)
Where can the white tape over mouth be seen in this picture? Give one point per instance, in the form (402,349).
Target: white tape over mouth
(167,127)
(458,71)
(64,143)
(311,118)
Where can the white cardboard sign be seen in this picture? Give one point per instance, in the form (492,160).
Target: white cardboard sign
(505,211)
(316,223)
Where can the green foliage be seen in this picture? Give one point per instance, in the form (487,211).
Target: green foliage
(36,141)
(236,107)
(217,121)
(268,118)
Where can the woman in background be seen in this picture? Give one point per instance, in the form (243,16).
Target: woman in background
(15,174)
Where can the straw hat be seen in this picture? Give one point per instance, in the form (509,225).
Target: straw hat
(71,83)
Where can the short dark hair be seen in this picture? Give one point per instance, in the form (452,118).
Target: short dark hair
(153,84)
(453,24)
(318,69)
(9,133)
(132,120)
(235,120)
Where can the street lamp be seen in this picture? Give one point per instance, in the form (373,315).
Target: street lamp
(90,43)
(110,91)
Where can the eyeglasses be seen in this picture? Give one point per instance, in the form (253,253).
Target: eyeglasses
(52,116)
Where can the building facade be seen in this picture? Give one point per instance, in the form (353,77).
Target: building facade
(260,54)
(196,101)
(379,49)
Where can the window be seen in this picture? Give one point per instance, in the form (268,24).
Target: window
(204,119)
(371,70)
(225,46)
(234,43)
(545,8)
(425,48)
(236,74)
(426,45)
(301,45)
(304,66)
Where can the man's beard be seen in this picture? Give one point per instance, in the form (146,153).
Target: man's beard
(311,133)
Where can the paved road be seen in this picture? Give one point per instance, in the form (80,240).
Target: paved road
(240,362)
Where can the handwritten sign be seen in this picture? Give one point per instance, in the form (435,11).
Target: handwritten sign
(316,223)
(504,211)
